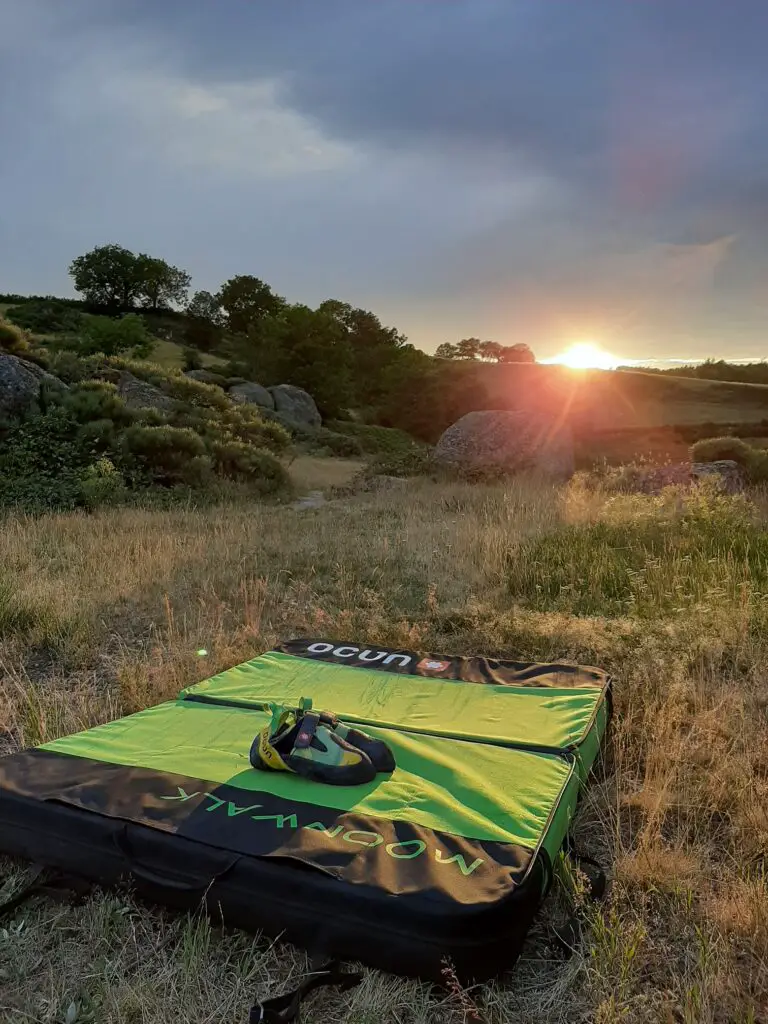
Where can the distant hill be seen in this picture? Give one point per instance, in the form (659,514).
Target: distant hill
(608,400)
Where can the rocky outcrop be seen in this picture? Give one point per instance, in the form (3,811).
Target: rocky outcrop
(506,442)
(728,476)
(138,394)
(20,383)
(252,393)
(295,405)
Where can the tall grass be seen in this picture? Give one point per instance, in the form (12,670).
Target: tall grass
(101,615)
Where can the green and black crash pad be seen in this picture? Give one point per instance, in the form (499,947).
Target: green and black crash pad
(447,857)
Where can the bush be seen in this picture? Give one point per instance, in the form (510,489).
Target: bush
(238,461)
(714,449)
(192,360)
(374,440)
(47,316)
(164,455)
(415,462)
(13,340)
(101,484)
(125,334)
(67,366)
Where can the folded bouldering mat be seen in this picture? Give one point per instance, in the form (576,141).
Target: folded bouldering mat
(447,857)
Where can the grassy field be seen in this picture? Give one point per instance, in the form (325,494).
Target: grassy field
(101,615)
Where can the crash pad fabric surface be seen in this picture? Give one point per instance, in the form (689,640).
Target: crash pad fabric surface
(467,789)
(514,714)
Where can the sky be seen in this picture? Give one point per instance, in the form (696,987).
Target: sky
(539,171)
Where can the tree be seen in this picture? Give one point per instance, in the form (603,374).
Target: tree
(246,300)
(468,348)
(160,284)
(491,351)
(205,306)
(204,326)
(373,346)
(447,351)
(107,276)
(301,346)
(112,336)
(517,354)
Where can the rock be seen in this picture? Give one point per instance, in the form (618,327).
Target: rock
(138,394)
(728,475)
(252,393)
(20,384)
(296,405)
(315,499)
(205,376)
(507,442)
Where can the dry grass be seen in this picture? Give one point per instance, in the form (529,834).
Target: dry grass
(312,473)
(103,614)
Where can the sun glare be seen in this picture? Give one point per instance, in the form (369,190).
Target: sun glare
(585,355)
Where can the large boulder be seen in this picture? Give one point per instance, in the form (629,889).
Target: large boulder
(252,393)
(296,405)
(500,441)
(138,394)
(20,384)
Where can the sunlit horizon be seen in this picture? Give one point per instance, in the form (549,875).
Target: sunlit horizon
(586,355)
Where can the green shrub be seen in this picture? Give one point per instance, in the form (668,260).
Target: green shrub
(238,461)
(41,460)
(13,340)
(713,449)
(375,440)
(192,360)
(125,334)
(414,462)
(47,316)
(165,455)
(101,484)
(67,366)
(96,400)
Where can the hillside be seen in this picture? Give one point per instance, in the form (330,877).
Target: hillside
(597,400)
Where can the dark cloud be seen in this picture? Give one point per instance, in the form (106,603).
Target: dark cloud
(464,157)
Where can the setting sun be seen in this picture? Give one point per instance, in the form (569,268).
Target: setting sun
(585,355)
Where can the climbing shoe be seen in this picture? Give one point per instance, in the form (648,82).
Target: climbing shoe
(377,750)
(298,740)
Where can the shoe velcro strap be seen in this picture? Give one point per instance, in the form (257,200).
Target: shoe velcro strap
(307,730)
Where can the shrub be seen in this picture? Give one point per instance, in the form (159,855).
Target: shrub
(713,449)
(13,340)
(41,460)
(165,455)
(238,461)
(101,484)
(192,360)
(96,400)
(124,334)
(67,366)
(375,440)
(415,462)
(47,316)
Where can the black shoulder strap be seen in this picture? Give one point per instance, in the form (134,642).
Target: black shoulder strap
(568,936)
(56,884)
(284,1009)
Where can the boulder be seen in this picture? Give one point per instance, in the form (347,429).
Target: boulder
(205,376)
(500,441)
(138,394)
(20,384)
(296,405)
(728,475)
(252,393)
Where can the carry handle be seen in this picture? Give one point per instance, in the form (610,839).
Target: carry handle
(179,883)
